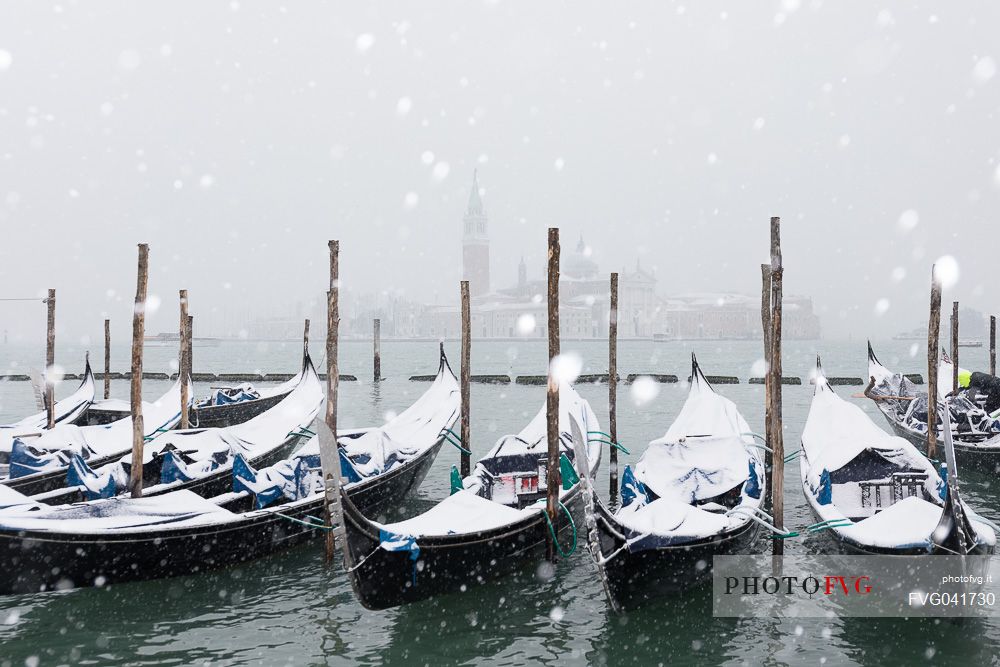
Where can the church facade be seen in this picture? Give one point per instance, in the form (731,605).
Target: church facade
(520,311)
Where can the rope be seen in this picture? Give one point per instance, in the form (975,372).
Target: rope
(37,298)
(778,533)
(793,455)
(444,433)
(552,530)
(301,431)
(304,523)
(609,442)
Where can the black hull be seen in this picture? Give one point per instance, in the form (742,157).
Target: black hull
(38,561)
(382,579)
(214,416)
(971,457)
(635,579)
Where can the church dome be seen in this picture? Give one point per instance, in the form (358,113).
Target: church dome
(579,264)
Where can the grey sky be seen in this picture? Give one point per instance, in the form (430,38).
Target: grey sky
(237,138)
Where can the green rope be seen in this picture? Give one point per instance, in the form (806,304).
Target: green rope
(452,442)
(609,441)
(304,523)
(843,523)
(613,444)
(786,536)
(552,530)
(793,455)
(301,431)
(154,433)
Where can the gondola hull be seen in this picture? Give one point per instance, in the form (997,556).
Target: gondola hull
(449,563)
(637,578)
(848,546)
(979,457)
(39,561)
(212,416)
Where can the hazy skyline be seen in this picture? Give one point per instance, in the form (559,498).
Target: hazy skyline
(236,140)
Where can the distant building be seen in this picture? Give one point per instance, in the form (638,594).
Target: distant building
(476,243)
(731,316)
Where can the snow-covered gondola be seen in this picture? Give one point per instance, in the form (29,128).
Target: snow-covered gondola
(695,493)
(67,411)
(202,459)
(494,524)
(39,464)
(975,432)
(874,493)
(223,406)
(120,539)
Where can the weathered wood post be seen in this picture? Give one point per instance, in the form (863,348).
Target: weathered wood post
(182,362)
(138,333)
(933,332)
(190,347)
(613,385)
(993,344)
(376,338)
(765,324)
(553,478)
(466,426)
(107,359)
(50,360)
(305,339)
(329,457)
(954,347)
(774,372)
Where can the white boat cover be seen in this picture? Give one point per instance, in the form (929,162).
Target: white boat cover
(194,453)
(54,449)
(180,508)
(66,410)
(838,432)
(465,511)
(704,452)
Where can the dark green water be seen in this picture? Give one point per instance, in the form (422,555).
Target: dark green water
(293,609)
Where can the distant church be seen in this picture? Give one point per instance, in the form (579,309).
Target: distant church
(476,243)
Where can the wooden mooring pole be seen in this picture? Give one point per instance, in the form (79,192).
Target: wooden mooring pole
(305,338)
(765,324)
(465,465)
(182,362)
(189,357)
(553,478)
(50,360)
(107,359)
(376,337)
(933,333)
(138,334)
(613,386)
(332,464)
(954,347)
(993,344)
(774,373)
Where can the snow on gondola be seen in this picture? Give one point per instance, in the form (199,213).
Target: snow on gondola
(39,464)
(493,523)
(695,493)
(67,411)
(177,533)
(223,406)
(976,432)
(874,493)
(201,459)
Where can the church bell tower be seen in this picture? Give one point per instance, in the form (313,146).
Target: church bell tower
(476,243)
